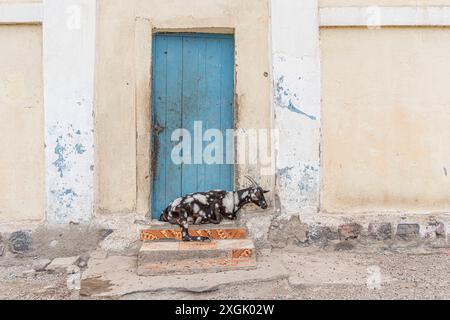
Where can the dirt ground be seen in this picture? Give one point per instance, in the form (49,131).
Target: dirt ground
(16,283)
(312,273)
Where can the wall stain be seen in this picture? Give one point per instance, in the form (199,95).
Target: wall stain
(65,197)
(66,147)
(280,97)
(79,148)
(60,163)
(308,182)
(284,173)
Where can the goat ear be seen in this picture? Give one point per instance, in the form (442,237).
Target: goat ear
(266,191)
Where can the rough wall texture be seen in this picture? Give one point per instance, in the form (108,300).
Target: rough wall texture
(22,193)
(384,118)
(116,114)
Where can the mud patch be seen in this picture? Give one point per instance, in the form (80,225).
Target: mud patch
(94,286)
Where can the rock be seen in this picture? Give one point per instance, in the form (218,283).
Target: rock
(349,231)
(20,241)
(440,230)
(74,281)
(435,229)
(2,249)
(99,254)
(103,233)
(258,225)
(408,231)
(50,286)
(344,246)
(380,231)
(54,243)
(72,269)
(319,235)
(60,265)
(40,264)
(287,231)
(29,273)
(82,264)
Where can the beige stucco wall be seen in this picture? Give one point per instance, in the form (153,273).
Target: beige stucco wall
(386,116)
(22,194)
(118,179)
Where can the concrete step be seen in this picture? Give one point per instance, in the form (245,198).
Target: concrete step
(115,277)
(176,257)
(215,232)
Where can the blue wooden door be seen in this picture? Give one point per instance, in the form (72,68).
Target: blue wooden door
(193,85)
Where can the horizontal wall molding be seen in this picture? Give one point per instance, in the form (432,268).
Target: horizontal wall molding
(21,13)
(384,16)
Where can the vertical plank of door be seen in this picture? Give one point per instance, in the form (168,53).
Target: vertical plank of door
(174,78)
(202,108)
(212,117)
(191,46)
(227,108)
(159,105)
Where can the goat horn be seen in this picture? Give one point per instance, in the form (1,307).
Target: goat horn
(252,181)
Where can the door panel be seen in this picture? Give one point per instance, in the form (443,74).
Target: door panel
(193,81)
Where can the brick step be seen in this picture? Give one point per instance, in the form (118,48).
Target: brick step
(214,232)
(176,257)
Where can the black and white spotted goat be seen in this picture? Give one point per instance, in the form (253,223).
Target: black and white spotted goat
(211,207)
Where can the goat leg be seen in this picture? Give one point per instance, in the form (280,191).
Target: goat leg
(185,234)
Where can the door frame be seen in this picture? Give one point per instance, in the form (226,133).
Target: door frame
(143,33)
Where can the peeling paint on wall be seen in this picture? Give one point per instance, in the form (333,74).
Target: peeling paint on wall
(284,173)
(296,70)
(284,99)
(69,114)
(60,162)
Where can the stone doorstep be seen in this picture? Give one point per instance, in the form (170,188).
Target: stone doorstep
(116,277)
(156,258)
(173,232)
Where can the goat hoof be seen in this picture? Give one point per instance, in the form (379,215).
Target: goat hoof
(197,239)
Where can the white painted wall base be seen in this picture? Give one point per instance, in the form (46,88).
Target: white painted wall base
(296,70)
(69,62)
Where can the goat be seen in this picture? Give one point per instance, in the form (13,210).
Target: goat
(211,207)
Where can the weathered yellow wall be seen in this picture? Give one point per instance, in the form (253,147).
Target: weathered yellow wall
(22,194)
(386,116)
(115,88)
